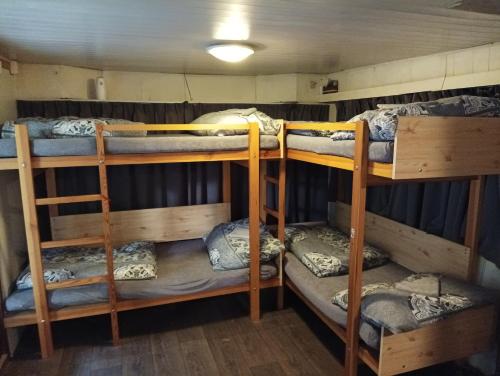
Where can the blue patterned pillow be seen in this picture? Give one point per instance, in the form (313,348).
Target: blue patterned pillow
(229,246)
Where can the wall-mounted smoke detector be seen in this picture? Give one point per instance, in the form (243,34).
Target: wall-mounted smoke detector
(230,52)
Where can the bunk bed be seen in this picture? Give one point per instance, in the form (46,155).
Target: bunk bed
(178,227)
(425,148)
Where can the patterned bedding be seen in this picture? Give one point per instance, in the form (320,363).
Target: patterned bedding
(415,301)
(383,122)
(64,127)
(325,250)
(228,245)
(132,261)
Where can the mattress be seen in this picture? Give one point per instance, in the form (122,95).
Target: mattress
(319,291)
(136,145)
(379,151)
(183,268)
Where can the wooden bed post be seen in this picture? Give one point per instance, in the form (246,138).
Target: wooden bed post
(281,228)
(226,182)
(263,191)
(51,184)
(472,230)
(103,182)
(253,218)
(33,240)
(358,212)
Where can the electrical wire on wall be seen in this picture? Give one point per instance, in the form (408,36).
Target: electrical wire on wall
(188,88)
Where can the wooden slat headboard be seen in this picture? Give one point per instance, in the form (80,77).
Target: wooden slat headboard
(158,225)
(434,147)
(407,246)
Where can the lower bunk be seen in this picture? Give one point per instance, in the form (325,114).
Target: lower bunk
(184,273)
(459,336)
(416,309)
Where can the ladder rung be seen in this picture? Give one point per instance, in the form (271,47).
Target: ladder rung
(72,242)
(67,199)
(77,282)
(272,212)
(270,179)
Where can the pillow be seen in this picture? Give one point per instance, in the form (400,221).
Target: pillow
(267,125)
(228,245)
(132,261)
(50,275)
(325,250)
(37,127)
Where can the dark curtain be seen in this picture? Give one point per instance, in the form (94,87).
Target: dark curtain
(149,186)
(437,208)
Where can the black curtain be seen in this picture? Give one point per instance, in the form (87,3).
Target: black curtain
(437,208)
(149,186)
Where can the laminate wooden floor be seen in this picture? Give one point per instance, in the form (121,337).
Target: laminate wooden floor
(207,337)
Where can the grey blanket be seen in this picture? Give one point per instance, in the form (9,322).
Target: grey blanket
(414,301)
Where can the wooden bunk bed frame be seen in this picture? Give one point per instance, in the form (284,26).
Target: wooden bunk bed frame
(425,149)
(159,225)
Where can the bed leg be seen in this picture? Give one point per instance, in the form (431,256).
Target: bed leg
(281,229)
(358,213)
(476,190)
(51,185)
(254,222)
(33,240)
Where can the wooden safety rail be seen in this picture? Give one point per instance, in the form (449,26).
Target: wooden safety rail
(425,148)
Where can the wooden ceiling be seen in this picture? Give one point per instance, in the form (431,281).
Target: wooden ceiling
(307,36)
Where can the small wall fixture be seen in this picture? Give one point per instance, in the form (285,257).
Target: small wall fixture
(230,52)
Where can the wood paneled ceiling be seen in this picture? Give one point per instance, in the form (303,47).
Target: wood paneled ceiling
(307,36)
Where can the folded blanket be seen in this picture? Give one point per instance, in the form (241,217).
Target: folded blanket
(325,251)
(399,310)
(267,125)
(132,261)
(383,122)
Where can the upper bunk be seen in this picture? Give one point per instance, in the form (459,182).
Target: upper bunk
(412,148)
(143,144)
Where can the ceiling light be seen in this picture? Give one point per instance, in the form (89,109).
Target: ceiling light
(230,52)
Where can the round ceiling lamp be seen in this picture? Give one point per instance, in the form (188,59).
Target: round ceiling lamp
(230,52)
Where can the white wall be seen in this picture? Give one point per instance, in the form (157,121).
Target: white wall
(7,95)
(478,66)
(36,81)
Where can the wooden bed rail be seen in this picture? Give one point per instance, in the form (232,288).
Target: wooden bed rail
(322,126)
(408,246)
(433,147)
(176,127)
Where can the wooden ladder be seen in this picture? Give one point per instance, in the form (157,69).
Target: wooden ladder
(36,246)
